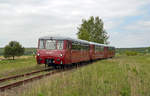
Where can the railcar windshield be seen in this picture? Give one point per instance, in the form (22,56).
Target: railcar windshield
(51,44)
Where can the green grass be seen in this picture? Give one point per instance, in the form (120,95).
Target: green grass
(20,65)
(138,50)
(120,76)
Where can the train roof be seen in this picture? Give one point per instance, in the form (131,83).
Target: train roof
(55,37)
(94,43)
(71,39)
(64,38)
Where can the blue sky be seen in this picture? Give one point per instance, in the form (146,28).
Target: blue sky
(126,21)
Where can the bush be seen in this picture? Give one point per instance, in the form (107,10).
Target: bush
(13,49)
(131,53)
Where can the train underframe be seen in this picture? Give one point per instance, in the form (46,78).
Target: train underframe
(51,63)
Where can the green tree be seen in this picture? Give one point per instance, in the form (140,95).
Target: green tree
(13,49)
(93,30)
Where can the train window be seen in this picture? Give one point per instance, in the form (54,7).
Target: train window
(79,46)
(99,48)
(86,47)
(60,45)
(41,44)
(76,46)
(111,49)
(96,48)
(68,45)
(50,44)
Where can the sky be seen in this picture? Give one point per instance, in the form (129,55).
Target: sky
(127,22)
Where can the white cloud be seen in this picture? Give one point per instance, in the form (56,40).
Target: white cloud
(140,25)
(132,40)
(135,34)
(26,20)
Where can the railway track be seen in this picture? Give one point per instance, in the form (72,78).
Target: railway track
(21,75)
(3,87)
(24,81)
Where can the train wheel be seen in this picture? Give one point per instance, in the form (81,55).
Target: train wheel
(54,66)
(62,66)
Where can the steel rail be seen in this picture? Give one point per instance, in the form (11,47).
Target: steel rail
(22,75)
(9,86)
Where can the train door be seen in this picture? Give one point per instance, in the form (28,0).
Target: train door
(69,48)
(92,52)
(105,52)
(75,52)
(68,52)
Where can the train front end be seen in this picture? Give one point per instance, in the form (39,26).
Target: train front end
(50,52)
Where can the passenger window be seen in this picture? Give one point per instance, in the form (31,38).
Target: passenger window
(68,45)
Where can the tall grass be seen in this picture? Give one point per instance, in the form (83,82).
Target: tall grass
(17,66)
(120,76)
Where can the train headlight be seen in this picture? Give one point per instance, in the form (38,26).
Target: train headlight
(38,54)
(61,55)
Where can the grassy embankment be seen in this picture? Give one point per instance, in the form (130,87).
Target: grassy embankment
(20,65)
(120,76)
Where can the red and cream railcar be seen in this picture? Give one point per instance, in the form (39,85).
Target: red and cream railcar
(61,50)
